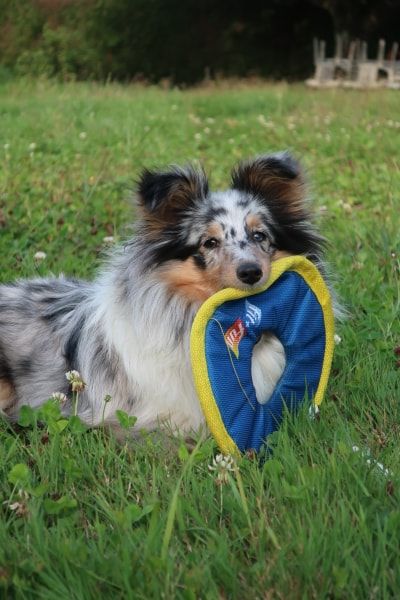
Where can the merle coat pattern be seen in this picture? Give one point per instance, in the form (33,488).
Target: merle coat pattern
(127,332)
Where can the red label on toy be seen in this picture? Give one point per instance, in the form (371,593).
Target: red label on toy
(233,336)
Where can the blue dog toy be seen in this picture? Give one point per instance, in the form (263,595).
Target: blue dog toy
(295,305)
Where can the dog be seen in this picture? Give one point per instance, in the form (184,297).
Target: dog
(127,332)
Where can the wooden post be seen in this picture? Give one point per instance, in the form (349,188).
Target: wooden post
(352,51)
(316,50)
(394,51)
(381,50)
(322,47)
(339,46)
(364,51)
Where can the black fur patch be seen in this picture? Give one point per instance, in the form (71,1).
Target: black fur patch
(5,370)
(243,203)
(200,261)
(71,346)
(180,185)
(24,367)
(58,310)
(214,212)
(298,240)
(173,249)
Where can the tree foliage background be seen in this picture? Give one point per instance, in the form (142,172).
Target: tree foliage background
(183,40)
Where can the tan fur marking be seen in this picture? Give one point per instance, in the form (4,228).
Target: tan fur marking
(215,230)
(155,223)
(186,279)
(280,254)
(254,222)
(291,192)
(7,394)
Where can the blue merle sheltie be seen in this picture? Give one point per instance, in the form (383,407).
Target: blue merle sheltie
(127,332)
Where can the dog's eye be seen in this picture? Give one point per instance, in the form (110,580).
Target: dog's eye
(211,243)
(259,236)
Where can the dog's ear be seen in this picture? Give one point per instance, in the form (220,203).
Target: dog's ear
(278,181)
(165,195)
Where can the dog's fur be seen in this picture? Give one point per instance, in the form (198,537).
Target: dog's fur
(127,332)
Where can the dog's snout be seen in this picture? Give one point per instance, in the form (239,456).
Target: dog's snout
(249,272)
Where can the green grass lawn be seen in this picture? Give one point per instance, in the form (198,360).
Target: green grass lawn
(82,516)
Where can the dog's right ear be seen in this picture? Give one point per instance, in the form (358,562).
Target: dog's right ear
(166,195)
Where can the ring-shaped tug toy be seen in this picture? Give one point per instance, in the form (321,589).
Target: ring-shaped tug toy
(294,305)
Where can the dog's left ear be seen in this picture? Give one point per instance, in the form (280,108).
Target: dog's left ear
(277,180)
(167,194)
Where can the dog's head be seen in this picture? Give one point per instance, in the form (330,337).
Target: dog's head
(201,241)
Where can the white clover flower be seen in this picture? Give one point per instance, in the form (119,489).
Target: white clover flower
(222,465)
(174,107)
(231,141)
(6,147)
(32,147)
(197,136)
(210,120)
(76,381)
(194,118)
(346,206)
(207,130)
(371,462)
(18,507)
(71,375)
(108,239)
(39,255)
(337,339)
(60,397)
(83,135)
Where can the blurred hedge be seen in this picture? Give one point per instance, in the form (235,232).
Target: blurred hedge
(183,40)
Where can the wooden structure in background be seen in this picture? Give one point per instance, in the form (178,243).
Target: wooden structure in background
(350,67)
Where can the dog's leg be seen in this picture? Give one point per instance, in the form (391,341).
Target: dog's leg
(7,395)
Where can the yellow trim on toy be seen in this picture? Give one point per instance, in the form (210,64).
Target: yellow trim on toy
(313,279)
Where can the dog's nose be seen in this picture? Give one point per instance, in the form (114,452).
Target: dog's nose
(249,272)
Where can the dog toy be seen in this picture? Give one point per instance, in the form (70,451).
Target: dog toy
(295,306)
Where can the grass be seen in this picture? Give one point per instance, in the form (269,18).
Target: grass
(82,516)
